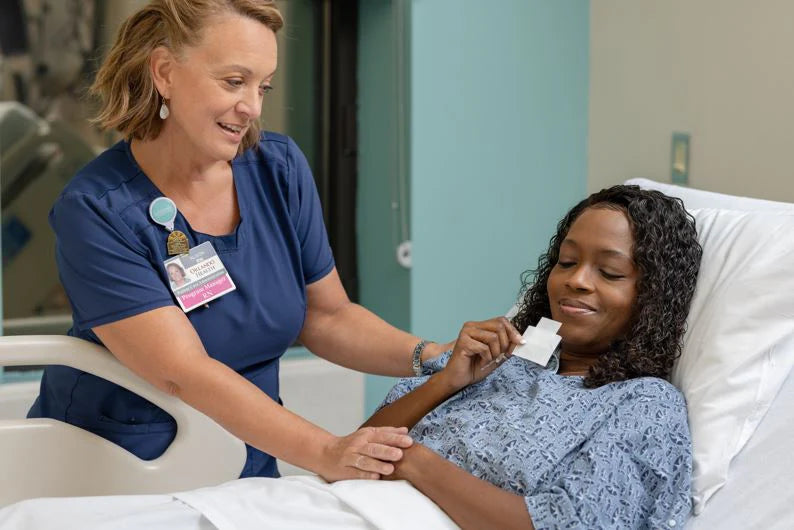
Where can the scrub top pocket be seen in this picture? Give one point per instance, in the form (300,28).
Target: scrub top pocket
(145,440)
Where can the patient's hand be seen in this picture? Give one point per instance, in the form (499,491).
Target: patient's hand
(414,458)
(478,344)
(367,453)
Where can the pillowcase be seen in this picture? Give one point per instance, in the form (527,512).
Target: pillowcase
(696,199)
(739,345)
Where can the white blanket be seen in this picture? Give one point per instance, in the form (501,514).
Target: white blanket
(290,502)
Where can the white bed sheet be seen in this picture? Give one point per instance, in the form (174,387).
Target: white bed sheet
(116,512)
(305,502)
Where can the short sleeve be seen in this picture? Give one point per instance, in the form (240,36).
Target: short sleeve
(107,275)
(408,384)
(634,472)
(307,215)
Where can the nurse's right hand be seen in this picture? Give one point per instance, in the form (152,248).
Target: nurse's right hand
(364,454)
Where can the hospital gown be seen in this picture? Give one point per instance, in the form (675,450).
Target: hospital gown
(618,456)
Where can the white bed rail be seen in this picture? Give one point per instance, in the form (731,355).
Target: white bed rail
(49,458)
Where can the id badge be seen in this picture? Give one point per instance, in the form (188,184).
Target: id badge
(198,277)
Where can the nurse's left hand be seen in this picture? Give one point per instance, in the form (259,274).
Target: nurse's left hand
(364,454)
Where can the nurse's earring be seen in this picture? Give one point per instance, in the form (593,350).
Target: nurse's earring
(164,112)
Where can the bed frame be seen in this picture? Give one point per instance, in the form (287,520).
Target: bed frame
(33,468)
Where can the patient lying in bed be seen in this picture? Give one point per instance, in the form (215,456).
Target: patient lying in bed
(598,438)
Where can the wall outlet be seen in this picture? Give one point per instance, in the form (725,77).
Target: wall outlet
(679,159)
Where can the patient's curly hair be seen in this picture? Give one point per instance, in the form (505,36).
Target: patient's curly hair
(667,255)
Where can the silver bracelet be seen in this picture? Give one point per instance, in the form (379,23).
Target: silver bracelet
(416,361)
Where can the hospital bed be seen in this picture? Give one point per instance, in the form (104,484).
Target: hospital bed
(736,372)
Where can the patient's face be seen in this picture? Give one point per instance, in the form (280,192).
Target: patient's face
(593,285)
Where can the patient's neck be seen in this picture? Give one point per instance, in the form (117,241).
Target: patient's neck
(574,364)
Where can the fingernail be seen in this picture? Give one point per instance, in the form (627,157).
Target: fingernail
(523,341)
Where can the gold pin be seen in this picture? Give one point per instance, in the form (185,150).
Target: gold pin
(177,243)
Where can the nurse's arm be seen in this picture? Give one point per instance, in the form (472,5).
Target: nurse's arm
(345,333)
(162,347)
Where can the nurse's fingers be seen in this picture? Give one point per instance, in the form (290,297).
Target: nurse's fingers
(397,430)
(382,452)
(370,465)
(388,436)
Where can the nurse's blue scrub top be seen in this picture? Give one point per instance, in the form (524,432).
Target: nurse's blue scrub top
(110,258)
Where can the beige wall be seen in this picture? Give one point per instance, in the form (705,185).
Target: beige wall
(721,70)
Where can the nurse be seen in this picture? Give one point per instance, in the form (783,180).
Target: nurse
(195,183)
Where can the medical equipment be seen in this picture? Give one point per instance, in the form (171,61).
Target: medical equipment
(37,159)
(756,493)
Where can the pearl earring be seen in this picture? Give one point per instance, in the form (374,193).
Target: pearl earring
(164,112)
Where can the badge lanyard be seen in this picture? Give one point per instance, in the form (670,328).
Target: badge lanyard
(162,210)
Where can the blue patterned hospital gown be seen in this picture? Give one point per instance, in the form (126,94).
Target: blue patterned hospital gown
(618,456)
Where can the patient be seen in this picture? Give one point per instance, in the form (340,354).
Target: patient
(596,439)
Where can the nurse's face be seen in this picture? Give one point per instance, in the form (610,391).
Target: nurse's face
(216,88)
(593,286)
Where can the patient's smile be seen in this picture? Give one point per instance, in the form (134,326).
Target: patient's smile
(576,308)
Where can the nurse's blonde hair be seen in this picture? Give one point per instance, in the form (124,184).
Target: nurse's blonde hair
(130,101)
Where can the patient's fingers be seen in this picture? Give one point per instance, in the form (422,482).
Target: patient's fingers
(475,344)
(498,335)
(508,334)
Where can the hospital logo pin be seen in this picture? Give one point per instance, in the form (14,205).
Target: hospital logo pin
(177,243)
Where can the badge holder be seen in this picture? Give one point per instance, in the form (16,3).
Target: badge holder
(163,210)
(196,275)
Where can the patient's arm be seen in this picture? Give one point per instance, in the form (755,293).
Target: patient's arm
(477,345)
(413,406)
(633,471)
(468,500)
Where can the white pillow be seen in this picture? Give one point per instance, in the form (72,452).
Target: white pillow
(732,365)
(739,346)
(695,199)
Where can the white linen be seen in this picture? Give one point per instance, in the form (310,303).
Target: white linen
(308,502)
(739,345)
(696,199)
(758,493)
(113,512)
(305,502)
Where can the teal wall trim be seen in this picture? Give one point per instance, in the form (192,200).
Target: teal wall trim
(498,130)
(384,286)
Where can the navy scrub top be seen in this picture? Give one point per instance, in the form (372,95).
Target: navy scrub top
(110,258)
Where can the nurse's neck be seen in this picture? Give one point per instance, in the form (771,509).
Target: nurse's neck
(174,169)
